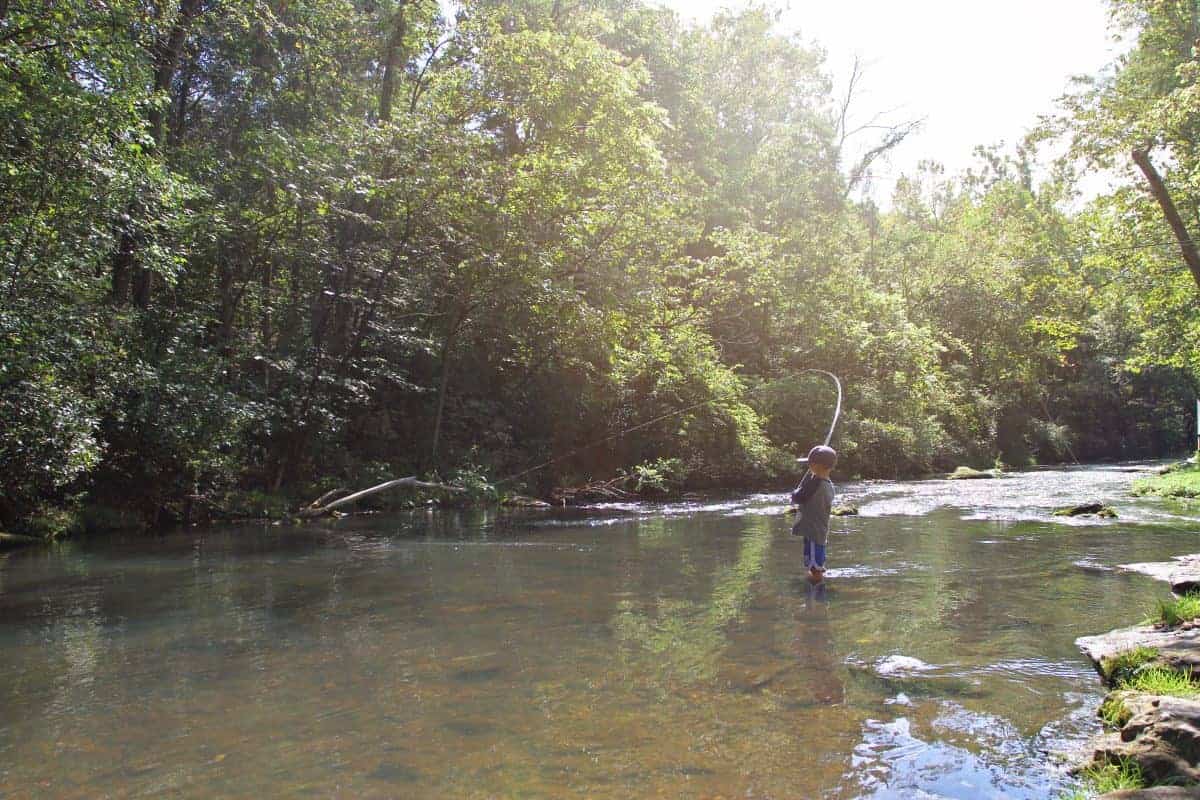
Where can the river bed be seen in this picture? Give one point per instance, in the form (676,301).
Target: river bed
(622,651)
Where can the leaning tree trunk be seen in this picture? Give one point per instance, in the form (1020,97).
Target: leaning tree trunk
(393,63)
(318,507)
(1191,256)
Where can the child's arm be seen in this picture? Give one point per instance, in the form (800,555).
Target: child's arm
(807,488)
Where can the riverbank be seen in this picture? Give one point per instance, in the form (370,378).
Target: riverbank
(1151,744)
(1178,480)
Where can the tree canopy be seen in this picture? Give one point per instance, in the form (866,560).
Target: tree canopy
(260,247)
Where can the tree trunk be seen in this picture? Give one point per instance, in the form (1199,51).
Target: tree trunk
(1141,157)
(392,61)
(127,270)
(166,62)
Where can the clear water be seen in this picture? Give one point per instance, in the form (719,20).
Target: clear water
(629,651)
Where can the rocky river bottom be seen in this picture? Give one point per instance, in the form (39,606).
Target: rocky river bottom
(619,651)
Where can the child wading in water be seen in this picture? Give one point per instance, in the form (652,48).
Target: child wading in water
(813,499)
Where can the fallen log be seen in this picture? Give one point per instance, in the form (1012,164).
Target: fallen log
(328,497)
(317,510)
(9,541)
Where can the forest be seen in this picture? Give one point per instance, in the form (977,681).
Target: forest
(252,250)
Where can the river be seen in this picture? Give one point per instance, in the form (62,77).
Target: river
(623,651)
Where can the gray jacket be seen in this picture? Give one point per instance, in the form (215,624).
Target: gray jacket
(812,520)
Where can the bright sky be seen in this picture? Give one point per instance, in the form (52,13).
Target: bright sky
(978,72)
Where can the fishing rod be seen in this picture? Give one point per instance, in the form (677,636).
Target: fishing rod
(837,411)
(319,506)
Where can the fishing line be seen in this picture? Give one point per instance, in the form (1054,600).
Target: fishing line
(829,436)
(610,437)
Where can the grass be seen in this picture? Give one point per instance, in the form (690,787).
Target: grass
(1164,681)
(1178,609)
(1114,712)
(1181,481)
(1113,776)
(1137,671)
(1118,669)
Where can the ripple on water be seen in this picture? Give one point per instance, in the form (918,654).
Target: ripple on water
(898,665)
(619,651)
(892,762)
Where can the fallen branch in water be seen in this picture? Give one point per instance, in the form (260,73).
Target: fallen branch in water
(329,497)
(316,509)
(595,492)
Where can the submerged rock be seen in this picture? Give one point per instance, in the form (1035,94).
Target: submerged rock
(894,665)
(1162,736)
(1082,509)
(844,511)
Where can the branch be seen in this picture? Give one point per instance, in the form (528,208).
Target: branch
(316,510)
(1158,188)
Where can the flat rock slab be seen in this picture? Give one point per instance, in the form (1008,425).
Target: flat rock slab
(1178,647)
(1162,736)
(1182,572)
(1157,793)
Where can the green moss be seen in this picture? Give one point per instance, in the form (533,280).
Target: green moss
(1178,609)
(1180,481)
(1121,668)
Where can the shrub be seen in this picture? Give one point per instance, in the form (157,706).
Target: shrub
(1179,609)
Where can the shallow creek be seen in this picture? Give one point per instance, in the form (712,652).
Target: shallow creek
(622,651)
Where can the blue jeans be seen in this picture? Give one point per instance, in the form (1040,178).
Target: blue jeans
(814,554)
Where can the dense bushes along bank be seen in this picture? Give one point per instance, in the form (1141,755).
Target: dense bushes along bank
(263,248)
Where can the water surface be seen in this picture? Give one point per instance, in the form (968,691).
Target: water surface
(629,651)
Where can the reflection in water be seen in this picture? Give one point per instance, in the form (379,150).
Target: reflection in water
(815,648)
(683,639)
(673,651)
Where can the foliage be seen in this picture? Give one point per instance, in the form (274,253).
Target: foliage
(1113,711)
(1123,666)
(265,248)
(661,476)
(1178,609)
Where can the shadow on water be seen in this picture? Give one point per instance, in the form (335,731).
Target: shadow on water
(672,649)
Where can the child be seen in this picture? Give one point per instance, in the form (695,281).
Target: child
(814,500)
